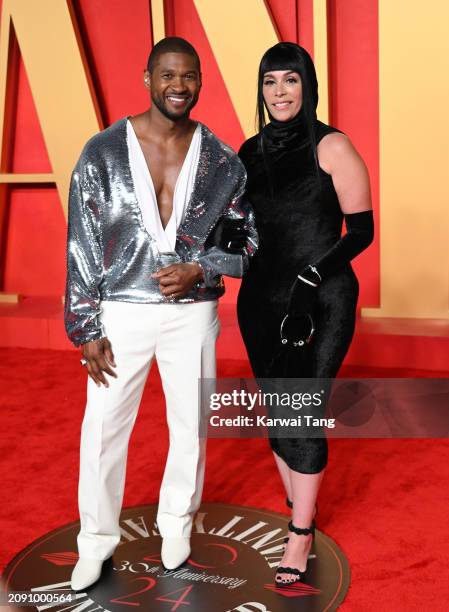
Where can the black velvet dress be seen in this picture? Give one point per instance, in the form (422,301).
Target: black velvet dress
(299,222)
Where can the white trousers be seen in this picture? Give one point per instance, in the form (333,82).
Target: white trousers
(182,338)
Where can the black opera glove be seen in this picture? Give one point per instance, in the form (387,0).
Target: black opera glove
(303,293)
(229,235)
(359,235)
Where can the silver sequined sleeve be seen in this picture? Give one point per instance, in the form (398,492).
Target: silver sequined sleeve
(84,262)
(216,262)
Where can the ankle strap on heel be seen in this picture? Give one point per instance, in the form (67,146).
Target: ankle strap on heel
(302,531)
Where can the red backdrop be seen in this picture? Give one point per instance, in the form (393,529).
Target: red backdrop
(117,42)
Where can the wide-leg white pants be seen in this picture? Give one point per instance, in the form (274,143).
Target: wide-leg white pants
(182,338)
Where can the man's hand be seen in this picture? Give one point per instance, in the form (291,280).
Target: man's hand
(178,279)
(99,357)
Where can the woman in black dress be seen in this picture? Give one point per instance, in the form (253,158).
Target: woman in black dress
(304,178)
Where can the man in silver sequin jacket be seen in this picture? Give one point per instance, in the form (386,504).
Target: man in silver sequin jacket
(125,311)
(111,255)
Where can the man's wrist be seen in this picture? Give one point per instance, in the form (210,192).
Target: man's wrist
(98,337)
(199,269)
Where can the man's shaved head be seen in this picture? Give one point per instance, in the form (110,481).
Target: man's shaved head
(171,44)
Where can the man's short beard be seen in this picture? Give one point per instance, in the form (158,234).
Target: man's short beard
(173,116)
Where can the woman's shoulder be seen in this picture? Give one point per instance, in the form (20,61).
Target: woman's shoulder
(323,129)
(336,149)
(248,148)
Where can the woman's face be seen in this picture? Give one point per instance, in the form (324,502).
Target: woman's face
(282,92)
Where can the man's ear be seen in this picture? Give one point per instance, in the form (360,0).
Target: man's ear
(147,79)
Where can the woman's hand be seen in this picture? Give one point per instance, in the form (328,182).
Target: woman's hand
(299,324)
(229,235)
(303,296)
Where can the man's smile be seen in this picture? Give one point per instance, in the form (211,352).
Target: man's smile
(178,101)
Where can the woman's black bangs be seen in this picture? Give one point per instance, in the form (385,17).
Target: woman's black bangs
(278,58)
(272,66)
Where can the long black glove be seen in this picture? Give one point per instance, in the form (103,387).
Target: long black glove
(229,235)
(359,235)
(303,294)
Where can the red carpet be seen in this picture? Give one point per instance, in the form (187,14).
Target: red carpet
(385,502)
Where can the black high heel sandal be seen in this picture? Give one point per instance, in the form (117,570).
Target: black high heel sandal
(289,504)
(293,570)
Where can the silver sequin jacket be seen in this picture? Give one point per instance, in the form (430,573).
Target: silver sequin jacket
(110,254)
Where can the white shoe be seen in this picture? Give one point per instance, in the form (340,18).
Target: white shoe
(86,572)
(175,551)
